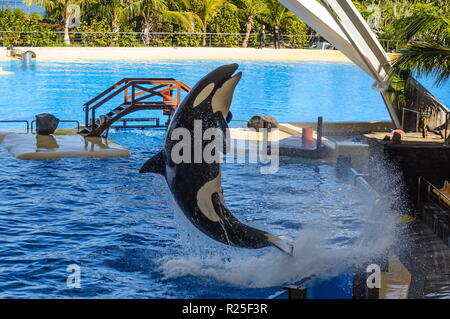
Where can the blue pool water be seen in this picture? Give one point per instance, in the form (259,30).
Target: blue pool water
(295,92)
(122,228)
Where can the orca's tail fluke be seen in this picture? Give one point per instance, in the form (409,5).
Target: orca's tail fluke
(285,244)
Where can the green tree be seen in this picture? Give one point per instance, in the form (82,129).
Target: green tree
(60,10)
(250,9)
(116,12)
(17,20)
(226,26)
(276,13)
(204,11)
(155,12)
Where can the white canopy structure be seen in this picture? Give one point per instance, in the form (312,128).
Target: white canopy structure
(341,24)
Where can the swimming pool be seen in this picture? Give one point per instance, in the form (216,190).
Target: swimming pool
(122,227)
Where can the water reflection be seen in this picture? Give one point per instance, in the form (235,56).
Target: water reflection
(45,143)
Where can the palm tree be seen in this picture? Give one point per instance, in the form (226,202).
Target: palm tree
(429,53)
(59,8)
(249,10)
(205,11)
(155,12)
(116,11)
(277,14)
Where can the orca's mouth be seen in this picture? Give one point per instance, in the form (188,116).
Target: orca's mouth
(224,73)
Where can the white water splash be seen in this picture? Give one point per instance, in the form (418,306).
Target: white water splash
(313,256)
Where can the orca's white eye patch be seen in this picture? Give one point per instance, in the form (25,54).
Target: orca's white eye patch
(203,94)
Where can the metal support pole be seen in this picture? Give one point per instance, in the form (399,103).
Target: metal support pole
(86,116)
(319,131)
(447,117)
(419,182)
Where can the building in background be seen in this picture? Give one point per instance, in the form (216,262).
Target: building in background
(19,4)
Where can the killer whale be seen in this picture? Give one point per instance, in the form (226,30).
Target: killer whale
(196,185)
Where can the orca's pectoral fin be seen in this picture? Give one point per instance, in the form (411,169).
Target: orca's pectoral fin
(155,165)
(283,243)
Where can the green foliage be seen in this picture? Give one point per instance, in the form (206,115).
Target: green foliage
(183,39)
(128,38)
(254,37)
(33,33)
(95,33)
(184,16)
(298,29)
(430,53)
(226,21)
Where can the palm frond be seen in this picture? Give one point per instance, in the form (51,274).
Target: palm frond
(437,27)
(424,59)
(186,20)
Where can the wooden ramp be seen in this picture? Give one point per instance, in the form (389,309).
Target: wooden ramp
(138,94)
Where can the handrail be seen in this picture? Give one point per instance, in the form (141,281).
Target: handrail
(126,84)
(17,121)
(112,87)
(117,84)
(443,109)
(137,80)
(412,111)
(429,187)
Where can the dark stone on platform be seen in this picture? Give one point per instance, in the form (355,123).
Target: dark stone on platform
(258,122)
(46,124)
(397,138)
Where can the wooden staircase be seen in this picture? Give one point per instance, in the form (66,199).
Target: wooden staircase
(138,94)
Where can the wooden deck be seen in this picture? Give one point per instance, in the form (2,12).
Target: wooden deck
(432,140)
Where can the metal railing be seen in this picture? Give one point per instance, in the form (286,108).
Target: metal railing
(17,121)
(446,124)
(412,111)
(432,193)
(164,39)
(434,209)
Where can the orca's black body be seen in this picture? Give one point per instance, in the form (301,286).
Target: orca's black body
(196,186)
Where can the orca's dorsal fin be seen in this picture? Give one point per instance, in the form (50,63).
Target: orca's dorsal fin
(155,165)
